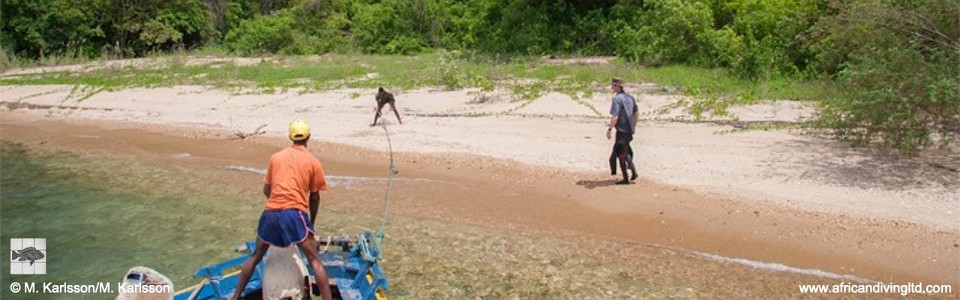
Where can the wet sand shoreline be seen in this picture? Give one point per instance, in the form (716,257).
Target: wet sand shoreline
(484,191)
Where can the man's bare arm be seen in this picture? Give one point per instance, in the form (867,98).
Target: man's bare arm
(266,190)
(613,124)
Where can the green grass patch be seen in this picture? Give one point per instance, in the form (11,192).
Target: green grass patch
(714,91)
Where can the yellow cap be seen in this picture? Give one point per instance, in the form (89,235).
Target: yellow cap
(299,130)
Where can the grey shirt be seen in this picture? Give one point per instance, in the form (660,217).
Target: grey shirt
(624,106)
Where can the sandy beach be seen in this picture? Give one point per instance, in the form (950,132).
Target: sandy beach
(774,196)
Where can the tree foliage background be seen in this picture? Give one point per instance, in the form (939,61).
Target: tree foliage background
(896,61)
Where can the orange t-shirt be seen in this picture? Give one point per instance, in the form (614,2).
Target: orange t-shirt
(291,173)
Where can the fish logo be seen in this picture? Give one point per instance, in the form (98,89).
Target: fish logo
(25,254)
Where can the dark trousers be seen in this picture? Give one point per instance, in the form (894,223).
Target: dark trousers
(623,153)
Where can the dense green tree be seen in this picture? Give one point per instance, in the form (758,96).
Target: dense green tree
(898,65)
(540,27)
(39,28)
(142,26)
(390,26)
(769,30)
(662,31)
(263,34)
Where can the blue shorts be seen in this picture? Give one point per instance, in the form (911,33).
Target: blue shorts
(282,228)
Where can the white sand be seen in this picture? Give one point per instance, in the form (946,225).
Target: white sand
(778,167)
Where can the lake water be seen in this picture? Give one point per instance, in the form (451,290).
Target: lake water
(101,217)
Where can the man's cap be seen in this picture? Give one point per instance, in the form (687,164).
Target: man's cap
(299,130)
(616,81)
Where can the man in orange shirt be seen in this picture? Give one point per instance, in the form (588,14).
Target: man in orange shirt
(290,174)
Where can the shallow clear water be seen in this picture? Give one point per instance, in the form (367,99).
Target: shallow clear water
(101,217)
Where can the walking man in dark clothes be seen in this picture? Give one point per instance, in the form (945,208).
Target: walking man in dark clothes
(623,118)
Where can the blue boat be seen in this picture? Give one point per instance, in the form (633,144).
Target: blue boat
(353,267)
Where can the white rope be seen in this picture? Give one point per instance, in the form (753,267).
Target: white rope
(324,250)
(393,172)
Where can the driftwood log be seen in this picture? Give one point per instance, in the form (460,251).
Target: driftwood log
(243,135)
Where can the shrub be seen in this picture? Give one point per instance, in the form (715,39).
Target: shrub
(900,75)
(264,34)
